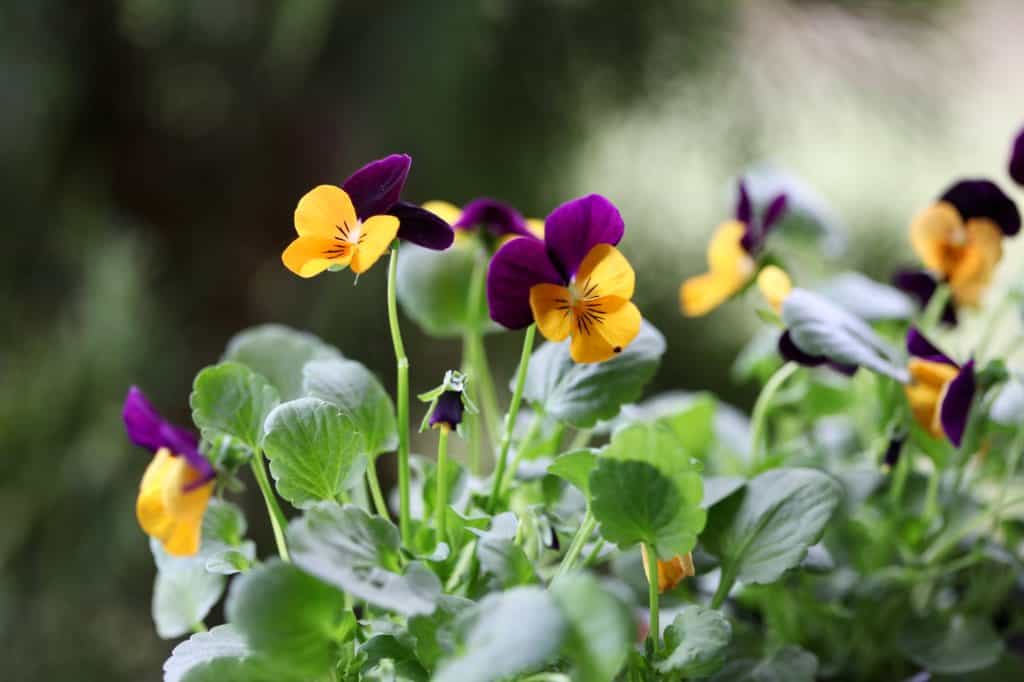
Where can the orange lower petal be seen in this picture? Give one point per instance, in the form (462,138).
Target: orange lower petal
(607,337)
(375,237)
(309,256)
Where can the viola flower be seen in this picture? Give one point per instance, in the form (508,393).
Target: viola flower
(177,484)
(940,391)
(496,220)
(921,285)
(448,402)
(670,572)
(959,237)
(574,284)
(353,225)
(1017,159)
(732,255)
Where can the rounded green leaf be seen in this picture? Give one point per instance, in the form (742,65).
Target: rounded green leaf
(279,353)
(695,642)
(962,645)
(575,467)
(789,664)
(433,288)
(220,655)
(315,451)
(582,394)
(183,592)
(354,390)
(230,399)
(600,627)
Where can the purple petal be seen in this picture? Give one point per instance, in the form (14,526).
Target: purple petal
(983,199)
(420,226)
(495,216)
(574,228)
(147,429)
(919,346)
(517,266)
(773,214)
(921,285)
(956,404)
(448,410)
(744,210)
(1017,159)
(892,453)
(375,187)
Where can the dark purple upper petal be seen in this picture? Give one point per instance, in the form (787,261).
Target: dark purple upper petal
(793,353)
(575,227)
(1017,159)
(773,214)
(919,346)
(744,209)
(448,410)
(375,187)
(146,428)
(921,285)
(517,266)
(892,452)
(420,226)
(495,216)
(956,404)
(984,199)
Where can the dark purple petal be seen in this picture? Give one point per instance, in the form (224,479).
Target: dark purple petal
(517,266)
(448,410)
(983,199)
(892,453)
(1017,159)
(773,214)
(793,353)
(920,347)
(495,216)
(956,404)
(420,226)
(375,187)
(744,210)
(846,370)
(574,228)
(147,429)
(921,285)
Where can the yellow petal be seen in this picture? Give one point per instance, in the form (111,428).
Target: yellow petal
(188,509)
(375,236)
(322,211)
(929,373)
(937,235)
(972,273)
(309,256)
(450,213)
(605,272)
(551,310)
(604,330)
(150,509)
(536,227)
(701,294)
(928,382)
(725,250)
(166,509)
(775,286)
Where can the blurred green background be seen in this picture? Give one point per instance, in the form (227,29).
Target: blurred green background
(152,153)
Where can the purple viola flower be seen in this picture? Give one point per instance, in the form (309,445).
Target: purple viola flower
(1017,159)
(792,353)
(757,228)
(921,285)
(147,429)
(940,391)
(376,188)
(496,217)
(447,411)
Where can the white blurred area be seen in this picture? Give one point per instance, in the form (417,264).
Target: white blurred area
(877,114)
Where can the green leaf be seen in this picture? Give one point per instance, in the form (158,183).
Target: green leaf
(279,353)
(963,645)
(789,664)
(315,451)
(360,554)
(183,593)
(695,642)
(230,399)
(433,287)
(220,655)
(506,633)
(435,632)
(355,391)
(635,502)
(499,554)
(581,394)
(224,548)
(690,416)
(290,617)
(717,488)
(575,467)
(600,627)
(398,652)
(765,530)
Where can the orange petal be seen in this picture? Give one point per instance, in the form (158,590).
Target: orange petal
(150,507)
(670,572)
(937,235)
(551,310)
(605,272)
(450,213)
(322,211)
(375,236)
(597,340)
(309,256)
(730,268)
(972,273)
(775,286)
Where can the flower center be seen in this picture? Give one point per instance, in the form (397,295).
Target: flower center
(346,237)
(586,311)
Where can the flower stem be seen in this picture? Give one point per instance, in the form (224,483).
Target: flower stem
(476,352)
(510,418)
(725,583)
(932,314)
(402,366)
(654,632)
(375,491)
(441,501)
(578,541)
(1013,461)
(277,518)
(760,412)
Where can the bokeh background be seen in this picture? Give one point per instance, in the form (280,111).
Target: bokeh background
(152,152)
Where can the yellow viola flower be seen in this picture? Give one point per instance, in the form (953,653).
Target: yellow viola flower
(940,392)
(670,572)
(171,505)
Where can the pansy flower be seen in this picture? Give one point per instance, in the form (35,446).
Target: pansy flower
(177,484)
(448,403)
(574,284)
(732,255)
(1017,159)
(672,571)
(940,391)
(959,238)
(353,225)
(497,220)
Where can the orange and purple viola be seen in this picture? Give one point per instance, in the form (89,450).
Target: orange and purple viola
(574,283)
(940,391)
(959,239)
(732,255)
(353,225)
(177,484)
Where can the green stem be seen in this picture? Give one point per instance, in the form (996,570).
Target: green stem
(375,491)
(524,445)
(725,584)
(198,627)
(441,503)
(488,399)
(760,412)
(277,518)
(510,418)
(899,477)
(1016,448)
(472,342)
(580,440)
(402,366)
(594,553)
(936,305)
(578,541)
(654,633)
